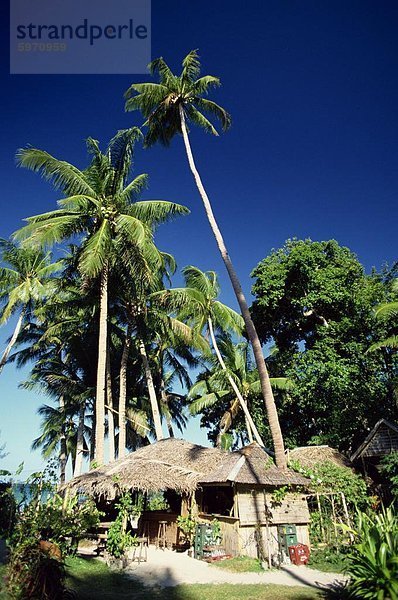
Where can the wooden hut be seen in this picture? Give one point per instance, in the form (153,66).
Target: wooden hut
(251,497)
(239,488)
(381,441)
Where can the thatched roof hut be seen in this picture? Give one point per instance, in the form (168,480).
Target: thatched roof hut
(308,456)
(235,487)
(181,466)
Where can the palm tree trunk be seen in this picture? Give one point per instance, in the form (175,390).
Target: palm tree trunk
(63,457)
(233,384)
(109,401)
(266,389)
(249,430)
(123,393)
(13,339)
(80,442)
(167,412)
(101,370)
(151,391)
(92,435)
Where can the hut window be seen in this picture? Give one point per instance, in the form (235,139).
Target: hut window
(218,500)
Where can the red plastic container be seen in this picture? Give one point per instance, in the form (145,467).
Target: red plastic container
(299,554)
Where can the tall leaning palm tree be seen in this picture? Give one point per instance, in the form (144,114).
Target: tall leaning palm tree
(167,107)
(25,280)
(99,206)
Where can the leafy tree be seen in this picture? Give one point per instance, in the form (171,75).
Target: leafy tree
(314,302)
(167,107)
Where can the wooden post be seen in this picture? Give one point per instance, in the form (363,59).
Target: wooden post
(267,511)
(320,517)
(347,515)
(334,516)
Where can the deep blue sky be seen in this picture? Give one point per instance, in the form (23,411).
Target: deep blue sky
(312,88)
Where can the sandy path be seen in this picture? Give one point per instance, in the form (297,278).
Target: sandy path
(166,569)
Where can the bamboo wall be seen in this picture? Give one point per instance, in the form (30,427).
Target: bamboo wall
(255,521)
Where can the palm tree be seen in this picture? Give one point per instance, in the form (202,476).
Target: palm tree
(167,106)
(27,280)
(197,303)
(388,312)
(153,326)
(99,205)
(213,386)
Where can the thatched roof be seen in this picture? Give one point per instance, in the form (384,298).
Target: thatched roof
(308,456)
(167,464)
(179,465)
(253,466)
(382,440)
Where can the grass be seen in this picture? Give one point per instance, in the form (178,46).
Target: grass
(92,580)
(240,564)
(329,560)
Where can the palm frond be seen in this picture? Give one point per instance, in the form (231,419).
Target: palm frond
(203,402)
(62,174)
(199,119)
(190,67)
(154,212)
(390,342)
(216,110)
(387,310)
(96,251)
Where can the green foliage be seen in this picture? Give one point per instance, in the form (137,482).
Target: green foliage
(326,477)
(65,521)
(331,559)
(160,102)
(57,520)
(7,510)
(187,525)
(279,495)
(314,302)
(216,531)
(157,502)
(373,562)
(34,574)
(32,571)
(389,467)
(119,539)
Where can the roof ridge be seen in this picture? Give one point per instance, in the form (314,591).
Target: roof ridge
(236,468)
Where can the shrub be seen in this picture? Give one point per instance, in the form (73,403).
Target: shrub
(373,561)
(389,467)
(119,539)
(34,574)
(187,525)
